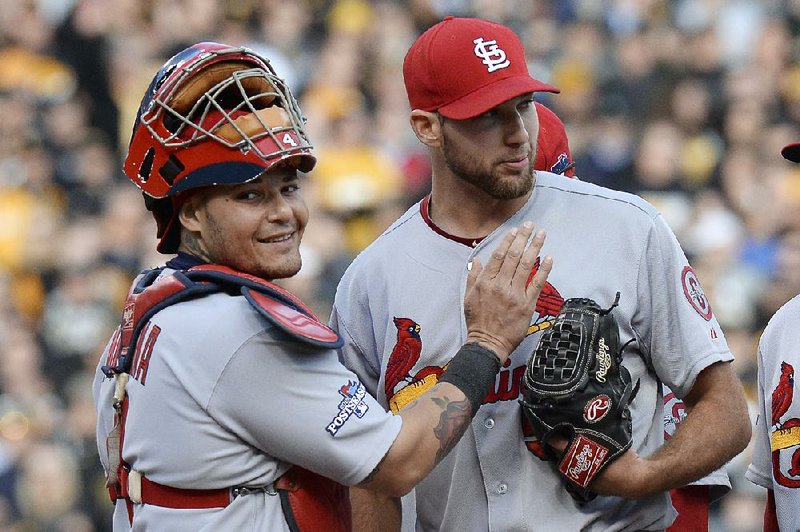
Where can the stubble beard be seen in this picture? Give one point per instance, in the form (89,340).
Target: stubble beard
(469,168)
(224,253)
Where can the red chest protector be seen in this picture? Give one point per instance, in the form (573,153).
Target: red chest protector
(309,501)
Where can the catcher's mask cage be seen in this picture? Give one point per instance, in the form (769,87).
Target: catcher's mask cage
(213,114)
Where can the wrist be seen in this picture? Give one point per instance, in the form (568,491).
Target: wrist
(473,370)
(498,348)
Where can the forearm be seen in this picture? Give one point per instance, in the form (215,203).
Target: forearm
(715,430)
(373,512)
(432,425)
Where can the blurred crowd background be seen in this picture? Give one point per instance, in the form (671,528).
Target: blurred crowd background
(686,102)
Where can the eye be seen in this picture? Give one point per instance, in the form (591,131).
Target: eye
(526,106)
(248,195)
(291,188)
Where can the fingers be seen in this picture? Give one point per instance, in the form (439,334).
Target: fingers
(499,254)
(497,304)
(515,252)
(513,260)
(522,278)
(537,283)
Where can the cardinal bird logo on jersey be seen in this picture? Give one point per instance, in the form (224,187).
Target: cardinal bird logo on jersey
(785,437)
(795,470)
(783,393)
(404,355)
(548,305)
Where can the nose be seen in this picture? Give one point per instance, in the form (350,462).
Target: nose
(280,210)
(516,130)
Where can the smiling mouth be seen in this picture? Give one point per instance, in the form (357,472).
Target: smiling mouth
(278,239)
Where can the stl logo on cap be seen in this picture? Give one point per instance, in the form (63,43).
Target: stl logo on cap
(493,56)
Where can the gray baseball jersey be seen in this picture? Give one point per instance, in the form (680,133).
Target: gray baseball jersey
(399,308)
(219,398)
(776,449)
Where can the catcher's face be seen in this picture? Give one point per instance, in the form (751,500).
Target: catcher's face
(253,227)
(495,151)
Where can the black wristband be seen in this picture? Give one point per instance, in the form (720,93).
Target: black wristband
(472,370)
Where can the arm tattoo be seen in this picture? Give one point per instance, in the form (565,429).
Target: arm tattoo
(456,416)
(374,471)
(453,422)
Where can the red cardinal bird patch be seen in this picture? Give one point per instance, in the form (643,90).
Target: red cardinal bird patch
(785,438)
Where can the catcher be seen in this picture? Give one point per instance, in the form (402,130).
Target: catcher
(221,404)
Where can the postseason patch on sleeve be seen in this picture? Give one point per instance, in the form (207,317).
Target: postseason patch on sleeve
(352,403)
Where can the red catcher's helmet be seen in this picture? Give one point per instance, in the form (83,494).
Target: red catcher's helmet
(213,114)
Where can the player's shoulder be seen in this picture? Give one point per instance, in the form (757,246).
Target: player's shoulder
(401,233)
(200,317)
(787,314)
(611,201)
(386,257)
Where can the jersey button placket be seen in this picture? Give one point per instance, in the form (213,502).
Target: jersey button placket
(502,488)
(489,423)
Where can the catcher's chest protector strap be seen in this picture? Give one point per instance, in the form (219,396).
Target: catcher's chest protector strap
(278,306)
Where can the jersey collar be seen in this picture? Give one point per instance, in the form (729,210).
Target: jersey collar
(424,210)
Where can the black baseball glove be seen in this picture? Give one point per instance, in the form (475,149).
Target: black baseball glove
(576,387)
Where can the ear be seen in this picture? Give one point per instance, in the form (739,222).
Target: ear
(427,127)
(191,212)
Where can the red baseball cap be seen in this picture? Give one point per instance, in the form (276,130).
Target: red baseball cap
(552,150)
(792,152)
(462,67)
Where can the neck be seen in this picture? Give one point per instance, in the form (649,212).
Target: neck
(464,210)
(184,261)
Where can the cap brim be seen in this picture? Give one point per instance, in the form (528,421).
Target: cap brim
(492,95)
(238,172)
(792,152)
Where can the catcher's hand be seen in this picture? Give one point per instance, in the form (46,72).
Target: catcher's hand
(576,388)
